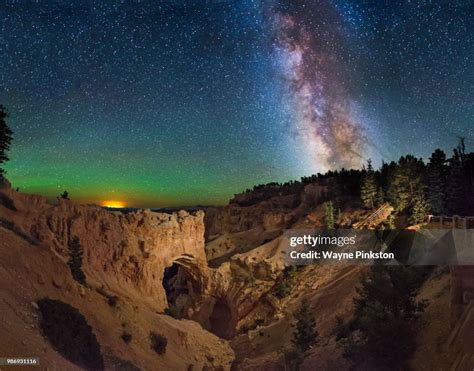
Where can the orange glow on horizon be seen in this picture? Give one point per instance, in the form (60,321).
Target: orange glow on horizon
(114,204)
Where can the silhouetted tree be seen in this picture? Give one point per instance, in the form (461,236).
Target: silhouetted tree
(75,260)
(436,178)
(6,137)
(380,200)
(369,187)
(457,183)
(64,195)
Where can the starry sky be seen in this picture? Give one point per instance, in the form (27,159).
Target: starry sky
(172,103)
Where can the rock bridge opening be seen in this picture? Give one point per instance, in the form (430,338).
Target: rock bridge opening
(183,287)
(180,287)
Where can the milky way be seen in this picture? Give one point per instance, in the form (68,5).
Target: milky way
(310,44)
(165,103)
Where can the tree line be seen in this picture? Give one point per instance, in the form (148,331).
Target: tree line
(443,186)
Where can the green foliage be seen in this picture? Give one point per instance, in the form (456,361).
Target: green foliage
(448,185)
(158,343)
(329,215)
(171,311)
(305,334)
(291,272)
(369,188)
(385,317)
(282,290)
(436,179)
(75,260)
(420,209)
(390,222)
(405,181)
(6,137)
(380,199)
(458,182)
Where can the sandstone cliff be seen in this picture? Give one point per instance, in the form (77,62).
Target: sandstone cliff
(125,257)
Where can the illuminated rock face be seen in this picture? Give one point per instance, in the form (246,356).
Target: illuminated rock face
(125,252)
(125,257)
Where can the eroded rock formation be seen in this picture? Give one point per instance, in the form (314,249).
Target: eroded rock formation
(124,260)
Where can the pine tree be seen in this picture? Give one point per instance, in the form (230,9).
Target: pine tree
(384,319)
(405,182)
(305,334)
(75,260)
(420,209)
(436,178)
(380,200)
(457,183)
(6,137)
(369,187)
(329,215)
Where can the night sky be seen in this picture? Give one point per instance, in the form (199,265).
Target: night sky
(163,104)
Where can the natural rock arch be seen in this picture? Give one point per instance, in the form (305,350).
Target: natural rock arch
(182,283)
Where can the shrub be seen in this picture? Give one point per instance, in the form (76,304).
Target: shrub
(64,195)
(112,300)
(171,311)
(282,290)
(126,337)
(158,343)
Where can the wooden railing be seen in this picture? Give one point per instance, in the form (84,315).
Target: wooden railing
(454,221)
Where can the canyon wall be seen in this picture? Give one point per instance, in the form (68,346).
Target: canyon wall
(125,257)
(125,253)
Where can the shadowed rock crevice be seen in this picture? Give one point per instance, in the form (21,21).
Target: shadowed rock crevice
(222,321)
